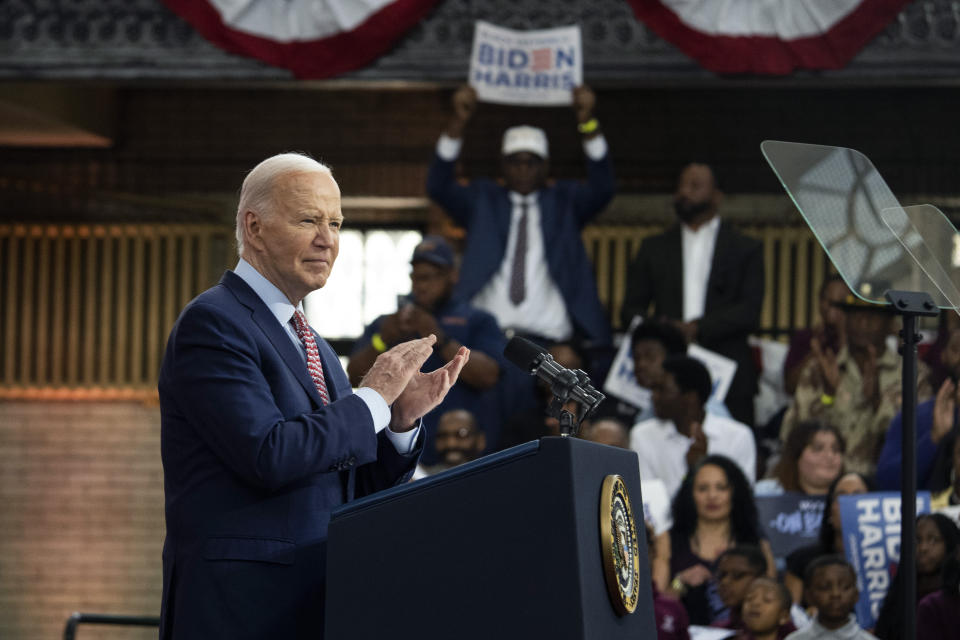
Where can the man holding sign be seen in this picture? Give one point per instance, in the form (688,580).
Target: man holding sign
(524,261)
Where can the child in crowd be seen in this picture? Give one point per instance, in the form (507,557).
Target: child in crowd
(766,611)
(736,569)
(830,585)
(670,616)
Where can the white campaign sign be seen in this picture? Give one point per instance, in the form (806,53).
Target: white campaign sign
(526,67)
(622,383)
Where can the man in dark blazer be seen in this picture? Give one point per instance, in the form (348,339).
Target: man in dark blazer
(705,278)
(261,434)
(524,260)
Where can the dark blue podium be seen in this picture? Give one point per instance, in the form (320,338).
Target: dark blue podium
(508,546)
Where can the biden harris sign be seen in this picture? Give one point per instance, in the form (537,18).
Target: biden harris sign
(871,541)
(526,67)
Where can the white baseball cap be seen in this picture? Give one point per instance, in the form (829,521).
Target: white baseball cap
(524,138)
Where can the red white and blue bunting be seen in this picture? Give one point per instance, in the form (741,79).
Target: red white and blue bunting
(768,36)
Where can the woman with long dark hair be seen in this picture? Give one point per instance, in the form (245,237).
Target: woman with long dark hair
(811,460)
(938,614)
(937,539)
(713,511)
(830,539)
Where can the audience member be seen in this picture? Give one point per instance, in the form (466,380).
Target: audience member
(432,310)
(706,278)
(829,334)
(830,540)
(736,569)
(831,588)
(524,261)
(938,614)
(812,458)
(713,511)
(766,611)
(951,495)
(651,343)
(856,390)
(656,500)
(458,439)
(669,615)
(935,422)
(683,432)
(937,540)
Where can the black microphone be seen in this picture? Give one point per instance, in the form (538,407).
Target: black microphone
(566,384)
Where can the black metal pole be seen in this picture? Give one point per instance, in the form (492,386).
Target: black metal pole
(908,478)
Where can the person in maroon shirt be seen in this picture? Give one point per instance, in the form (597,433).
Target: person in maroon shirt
(938,614)
(669,614)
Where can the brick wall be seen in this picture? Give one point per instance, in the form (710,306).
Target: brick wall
(81,489)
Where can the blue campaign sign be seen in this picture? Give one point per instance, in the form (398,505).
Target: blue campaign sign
(871,541)
(790,520)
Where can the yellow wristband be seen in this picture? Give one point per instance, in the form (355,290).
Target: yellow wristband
(378,343)
(826,399)
(589,126)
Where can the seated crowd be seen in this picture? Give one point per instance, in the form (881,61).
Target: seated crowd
(705,464)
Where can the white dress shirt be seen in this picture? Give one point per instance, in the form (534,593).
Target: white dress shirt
(281,307)
(542,311)
(663,450)
(697,253)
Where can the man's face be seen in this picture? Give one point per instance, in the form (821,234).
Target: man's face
(830,314)
(524,172)
(648,357)
(296,245)
(696,192)
(668,401)
(833,591)
(430,284)
(866,327)
(457,439)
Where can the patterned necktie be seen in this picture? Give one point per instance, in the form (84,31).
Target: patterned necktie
(518,289)
(314,367)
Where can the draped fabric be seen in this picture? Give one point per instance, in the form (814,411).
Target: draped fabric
(325,38)
(311,38)
(768,36)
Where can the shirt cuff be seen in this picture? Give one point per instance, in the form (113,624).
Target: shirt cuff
(404,442)
(595,148)
(449,148)
(379,410)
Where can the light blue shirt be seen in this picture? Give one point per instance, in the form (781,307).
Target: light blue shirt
(283,310)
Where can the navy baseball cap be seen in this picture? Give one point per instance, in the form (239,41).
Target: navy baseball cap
(435,250)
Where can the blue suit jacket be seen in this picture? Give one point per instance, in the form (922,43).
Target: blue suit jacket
(253,464)
(483,207)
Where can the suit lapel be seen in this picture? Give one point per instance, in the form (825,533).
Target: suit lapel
(277,335)
(673,273)
(715,281)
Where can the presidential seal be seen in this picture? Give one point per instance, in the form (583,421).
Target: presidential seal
(618,540)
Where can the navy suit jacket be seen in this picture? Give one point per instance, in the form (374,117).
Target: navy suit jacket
(483,207)
(734,300)
(253,464)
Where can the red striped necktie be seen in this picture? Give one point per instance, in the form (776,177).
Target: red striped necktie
(314,367)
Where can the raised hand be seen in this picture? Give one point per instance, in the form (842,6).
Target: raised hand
(944,408)
(583,102)
(425,391)
(698,448)
(829,369)
(464,105)
(393,369)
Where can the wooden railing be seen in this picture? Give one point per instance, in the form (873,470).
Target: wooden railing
(88,307)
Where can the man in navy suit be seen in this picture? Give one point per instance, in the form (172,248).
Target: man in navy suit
(524,260)
(705,278)
(261,434)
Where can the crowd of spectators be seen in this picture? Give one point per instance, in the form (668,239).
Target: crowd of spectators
(524,272)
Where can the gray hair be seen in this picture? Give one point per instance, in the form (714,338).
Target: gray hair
(256,194)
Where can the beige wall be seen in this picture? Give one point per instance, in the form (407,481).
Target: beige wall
(81,498)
